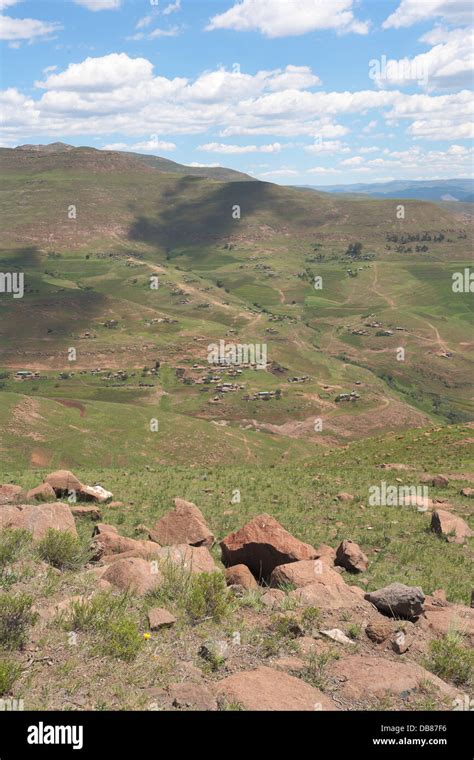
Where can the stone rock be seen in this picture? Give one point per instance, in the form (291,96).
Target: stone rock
(184,524)
(108,542)
(63,482)
(468,492)
(326,553)
(378,630)
(343,496)
(452,617)
(47,614)
(192,696)
(364,676)
(302,573)
(453,528)
(335,634)
(328,590)
(11,494)
(273,598)
(263,544)
(210,650)
(43,492)
(158,618)
(400,643)
(93,513)
(350,555)
(134,574)
(307,645)
(38,518)
(94,493)
(268,689)
(195,559)
(440,481)
(398,600)
(240,575)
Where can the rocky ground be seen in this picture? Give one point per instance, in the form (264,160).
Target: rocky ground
(157,622)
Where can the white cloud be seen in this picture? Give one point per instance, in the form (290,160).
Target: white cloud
(411,12)
(354,161)
(197,165)
(172,8)
(100,74)
(26,28)
(323,170)
(172,32)
(285,18)
(8,3)
(223,148)
(327,146)
(449,63)
(145,21)
(280,173)
(148,146)
(116,146)
(100,5)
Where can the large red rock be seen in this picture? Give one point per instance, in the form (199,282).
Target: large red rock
(350,556)
(240,575)
(450,526)
(263,544)
(63,482)
(184,524)
(134,574)
(194,559)
(363,677)
(106,542)
(268,689)
(38,518)
(303,573)
(43,492)
(329,591)
(10,494)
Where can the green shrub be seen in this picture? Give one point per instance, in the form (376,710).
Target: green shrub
(450,660)
(12,543)
(61,550)
(315,671)
(95,614)
(122,639)
(207,597)
(9,672)
(15,617)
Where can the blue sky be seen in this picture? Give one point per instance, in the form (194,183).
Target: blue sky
(291,91)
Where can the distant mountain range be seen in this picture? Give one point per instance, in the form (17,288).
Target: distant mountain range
(460,190)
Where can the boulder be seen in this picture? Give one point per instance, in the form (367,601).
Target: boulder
(303,573)
(94,493)
(158,618)
(335,634)
(195,559)
(379,631)
(184,524)
(364,677)
(192,696)
(134,574)
(325,588)
(468,492)
(453,528)
(350,555)
(263,544)
(93,513)
(326,553)
(63,482)
(451,617)
(268,689)
(273,598)
(240,575)
(38,518)
(11,494)
(43,492)
(440,481)
(398,600)
(108,542)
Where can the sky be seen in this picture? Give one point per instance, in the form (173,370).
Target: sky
(310,92)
